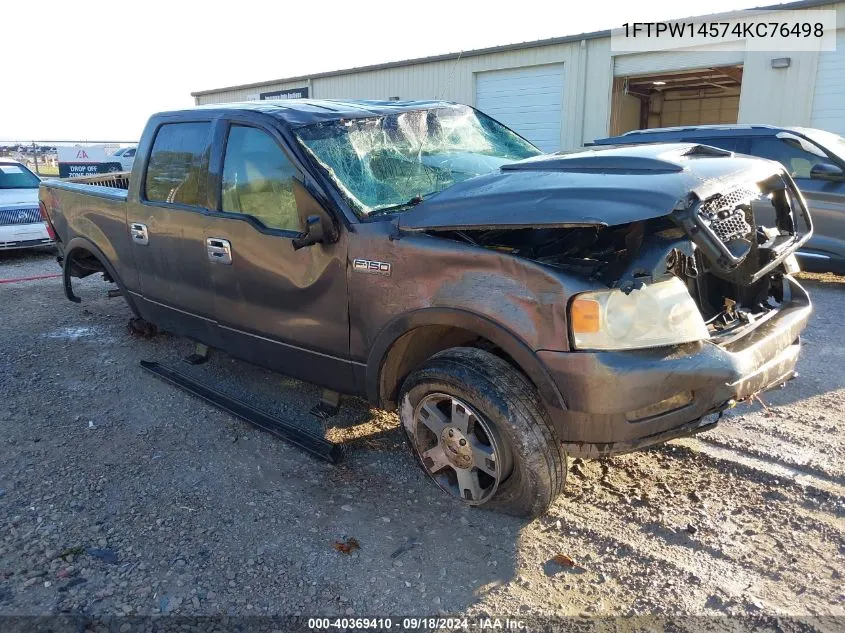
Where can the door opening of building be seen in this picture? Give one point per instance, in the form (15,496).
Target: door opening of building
(699,96)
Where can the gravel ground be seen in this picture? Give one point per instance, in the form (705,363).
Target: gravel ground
(119,494)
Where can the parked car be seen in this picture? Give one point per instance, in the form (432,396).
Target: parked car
(814,158)
(21,224)
(517,308)
(125,156)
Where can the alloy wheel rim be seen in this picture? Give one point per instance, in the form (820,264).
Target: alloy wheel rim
(459,449)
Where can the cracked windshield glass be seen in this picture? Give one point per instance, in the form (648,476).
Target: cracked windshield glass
(393,162)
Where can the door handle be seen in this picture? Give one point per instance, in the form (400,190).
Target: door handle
(219,250)
(139,233)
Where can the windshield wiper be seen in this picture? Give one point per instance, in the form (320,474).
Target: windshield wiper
(402,205)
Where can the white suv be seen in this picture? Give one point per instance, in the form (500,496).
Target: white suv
(125,156)
(21,225)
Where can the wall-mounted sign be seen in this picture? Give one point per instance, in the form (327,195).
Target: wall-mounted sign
(85,161)
(290,93)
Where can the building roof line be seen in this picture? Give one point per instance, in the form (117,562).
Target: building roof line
(502,48)
(415,61)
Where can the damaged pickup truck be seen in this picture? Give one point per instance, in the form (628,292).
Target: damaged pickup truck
(517,309)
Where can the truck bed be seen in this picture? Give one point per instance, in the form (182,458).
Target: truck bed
(91,211)
(114,185)
(114,180)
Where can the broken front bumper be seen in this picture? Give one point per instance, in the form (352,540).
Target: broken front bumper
(683,383)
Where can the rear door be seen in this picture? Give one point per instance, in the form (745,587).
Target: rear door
(279,308)
(167,227)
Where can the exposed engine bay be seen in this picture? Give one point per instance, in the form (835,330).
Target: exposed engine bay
(729,249)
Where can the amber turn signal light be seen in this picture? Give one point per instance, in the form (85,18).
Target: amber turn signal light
(584,316)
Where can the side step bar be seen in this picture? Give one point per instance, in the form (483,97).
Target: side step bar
(309,442)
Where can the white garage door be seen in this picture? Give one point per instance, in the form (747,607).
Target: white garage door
(529,100)
(625,65)
(829,98)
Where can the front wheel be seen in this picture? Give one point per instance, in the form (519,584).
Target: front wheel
(481,432)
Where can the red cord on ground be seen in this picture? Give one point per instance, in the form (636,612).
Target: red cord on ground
(36,278)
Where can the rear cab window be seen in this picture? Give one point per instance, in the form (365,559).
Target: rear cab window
(178,164)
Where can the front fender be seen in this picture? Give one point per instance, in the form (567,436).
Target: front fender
(503,338)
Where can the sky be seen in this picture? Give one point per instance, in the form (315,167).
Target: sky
(95,71)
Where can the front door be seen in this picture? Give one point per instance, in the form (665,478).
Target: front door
(276,307)
(826,201)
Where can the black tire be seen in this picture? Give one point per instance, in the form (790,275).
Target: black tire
(507,401)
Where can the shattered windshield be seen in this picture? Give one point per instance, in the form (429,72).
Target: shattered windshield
(393,162)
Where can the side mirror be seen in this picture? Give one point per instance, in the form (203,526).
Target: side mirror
(319,226)
(827,171)
(313,233)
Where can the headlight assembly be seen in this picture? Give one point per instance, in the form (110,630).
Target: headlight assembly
(655,315)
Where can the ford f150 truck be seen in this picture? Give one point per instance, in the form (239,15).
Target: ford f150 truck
(516,308)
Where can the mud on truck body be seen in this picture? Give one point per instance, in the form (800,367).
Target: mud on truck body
(516,308)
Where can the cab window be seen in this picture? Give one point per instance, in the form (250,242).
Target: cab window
(258,179)
(797,160)
(178,164)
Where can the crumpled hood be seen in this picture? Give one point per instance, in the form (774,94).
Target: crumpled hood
(594,186)
(18,198)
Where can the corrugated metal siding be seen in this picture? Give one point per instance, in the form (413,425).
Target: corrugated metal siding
(828,111)
(783,96)
(777,96)
(229,96)
(597,87)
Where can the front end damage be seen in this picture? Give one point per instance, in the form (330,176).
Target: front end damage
(730,240)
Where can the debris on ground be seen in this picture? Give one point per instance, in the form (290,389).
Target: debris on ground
(105,555)
(564,561)
(347,546)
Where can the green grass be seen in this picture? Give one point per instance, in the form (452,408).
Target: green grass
(48,170)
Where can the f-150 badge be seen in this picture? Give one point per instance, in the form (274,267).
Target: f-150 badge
(371,267)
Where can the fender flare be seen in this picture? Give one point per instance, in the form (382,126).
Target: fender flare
(83,243)
(512,345)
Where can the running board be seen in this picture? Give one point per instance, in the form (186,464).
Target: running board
(309,442)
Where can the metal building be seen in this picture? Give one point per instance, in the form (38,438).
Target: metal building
(562,92)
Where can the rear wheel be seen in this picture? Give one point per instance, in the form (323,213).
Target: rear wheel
(481,432)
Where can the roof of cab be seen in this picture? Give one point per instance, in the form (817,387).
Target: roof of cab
(299,112)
